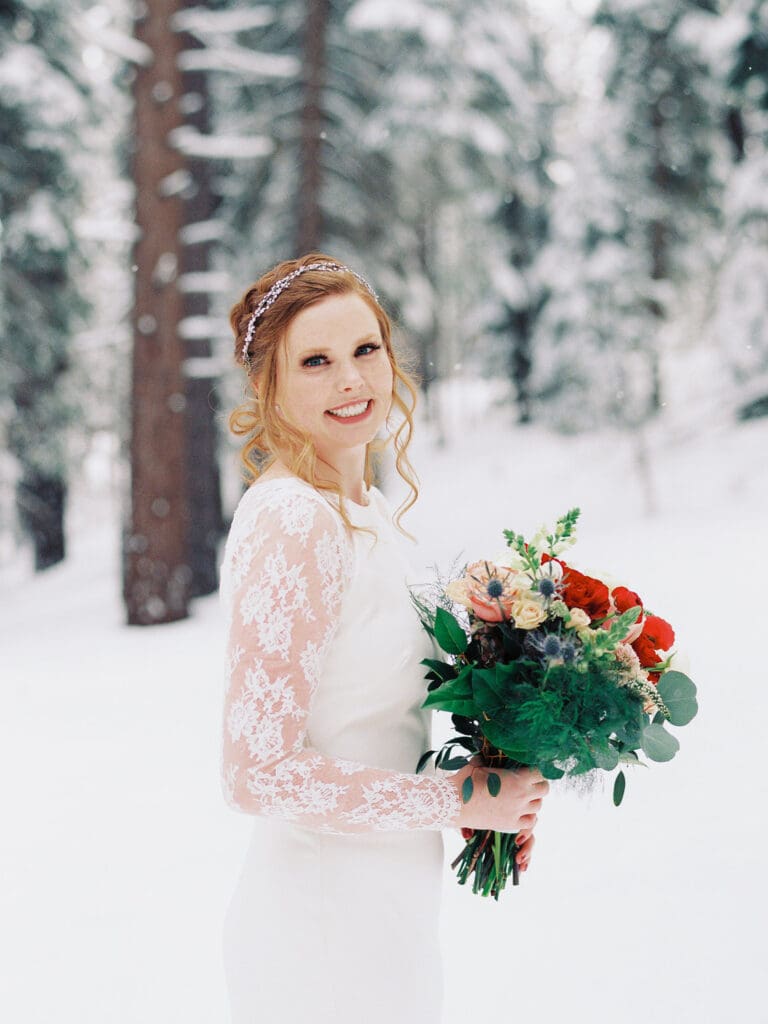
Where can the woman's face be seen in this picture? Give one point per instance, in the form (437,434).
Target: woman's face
(334,377)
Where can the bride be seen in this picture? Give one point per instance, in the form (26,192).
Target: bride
(335,916)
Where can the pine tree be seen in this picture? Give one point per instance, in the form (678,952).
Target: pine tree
(43,106)
(741,309)
(638,191)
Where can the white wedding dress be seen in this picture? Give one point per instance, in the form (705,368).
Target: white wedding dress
(335,918)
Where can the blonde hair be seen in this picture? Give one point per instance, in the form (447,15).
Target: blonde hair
(266,431)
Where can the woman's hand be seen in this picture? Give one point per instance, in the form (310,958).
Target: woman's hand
(514,809)
(525,842)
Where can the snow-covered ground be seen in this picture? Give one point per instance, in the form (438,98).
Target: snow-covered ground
(118,854)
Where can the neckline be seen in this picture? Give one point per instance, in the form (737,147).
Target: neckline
(318,490)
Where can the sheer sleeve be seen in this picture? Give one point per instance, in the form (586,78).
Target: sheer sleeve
(285,570)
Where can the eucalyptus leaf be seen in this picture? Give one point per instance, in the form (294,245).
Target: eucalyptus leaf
(423,760)
(658,744)
(467,788)
(494,784)
(452,763)
(679,694)
(449,632)
(618,788)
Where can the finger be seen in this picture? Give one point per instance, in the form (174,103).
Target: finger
(524,853)
(534,805)
(527,822)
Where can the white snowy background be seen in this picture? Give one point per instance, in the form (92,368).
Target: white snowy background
(118,854)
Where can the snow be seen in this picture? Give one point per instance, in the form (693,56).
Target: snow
(119,853)
(238,58)
(214,147)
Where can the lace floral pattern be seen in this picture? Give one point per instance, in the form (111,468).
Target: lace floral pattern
(287,561)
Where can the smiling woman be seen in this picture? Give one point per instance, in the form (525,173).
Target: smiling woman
(335,917)
(317,344)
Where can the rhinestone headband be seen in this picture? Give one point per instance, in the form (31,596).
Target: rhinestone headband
(279,287)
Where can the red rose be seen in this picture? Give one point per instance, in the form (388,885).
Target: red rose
(585,592)
(646,651)
(548,558)
(624,599)
(659,632)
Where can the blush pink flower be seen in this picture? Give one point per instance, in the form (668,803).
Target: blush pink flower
(492,591)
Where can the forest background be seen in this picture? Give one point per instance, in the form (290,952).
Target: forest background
(564,205)
(569,198)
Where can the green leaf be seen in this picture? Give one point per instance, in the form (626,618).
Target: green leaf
(455,705)
(467,787)
(679,694)
(449,632)
(441,669)
(658,744)
(452,763)
(549,771)
(423,760)
(494,784)
(618,788)
(604,754)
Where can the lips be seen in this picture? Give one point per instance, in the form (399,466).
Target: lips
(351,411)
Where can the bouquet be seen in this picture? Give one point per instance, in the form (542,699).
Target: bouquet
(549,668)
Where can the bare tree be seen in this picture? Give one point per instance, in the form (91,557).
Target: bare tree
(205,525)
(157,578)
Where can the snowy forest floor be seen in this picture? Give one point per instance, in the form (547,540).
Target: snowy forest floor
(118,854)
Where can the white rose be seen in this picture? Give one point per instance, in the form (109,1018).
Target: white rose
(457,591)
(528,613)
(578,620)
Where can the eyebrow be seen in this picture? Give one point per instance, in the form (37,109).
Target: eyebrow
(319,350)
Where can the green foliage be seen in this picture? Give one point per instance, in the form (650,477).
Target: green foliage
(449,632)
(467,788)
(658,744)
(619,786)
(679,695)
(494,784)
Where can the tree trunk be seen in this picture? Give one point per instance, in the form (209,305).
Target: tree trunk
(205,518)
(310,227)
(156,584)
(40,501)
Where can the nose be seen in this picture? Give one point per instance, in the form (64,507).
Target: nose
(349,379)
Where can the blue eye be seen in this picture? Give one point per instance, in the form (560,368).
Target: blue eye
(362,350)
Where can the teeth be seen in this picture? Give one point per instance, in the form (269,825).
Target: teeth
(350,410)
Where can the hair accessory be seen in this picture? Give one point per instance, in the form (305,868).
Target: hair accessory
(279,286)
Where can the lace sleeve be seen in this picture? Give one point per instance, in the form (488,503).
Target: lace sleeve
(286,569)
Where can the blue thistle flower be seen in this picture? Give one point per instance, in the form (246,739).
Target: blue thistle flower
(569,652)
(547,587)
(495,588)
(552,646)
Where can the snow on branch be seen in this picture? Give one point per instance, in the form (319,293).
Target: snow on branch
(240,59)
(203,367)
(211,147)
(196,328)
(199,21)
(113,41)
(204,282)
(202,231)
